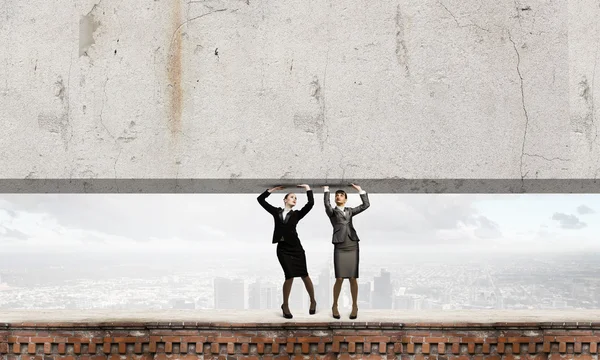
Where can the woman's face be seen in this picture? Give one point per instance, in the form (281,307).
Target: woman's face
(290,199)
(340,199)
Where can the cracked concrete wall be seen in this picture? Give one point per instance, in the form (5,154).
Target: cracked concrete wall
(247,89)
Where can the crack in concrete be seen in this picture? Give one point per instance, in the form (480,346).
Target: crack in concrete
(192,19)
(401,49)
(69,103)
(518,14)
(324,102)
(177,186)
(545,158)
(8,51)
(115,167)
(102,110)
(472,24)
(523,104)
(592,96)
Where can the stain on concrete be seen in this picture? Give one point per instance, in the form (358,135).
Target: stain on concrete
(59,90)
(174,72)
(313,122)
(49,123)
(401,49)
(315,89)
(57,122)
(87,27)
(584,123)
(309,123)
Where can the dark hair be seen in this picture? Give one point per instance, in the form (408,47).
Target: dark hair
(342,192)
(286,195)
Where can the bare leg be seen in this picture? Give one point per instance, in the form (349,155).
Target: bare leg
(337,288)
(354,292)
(311,293)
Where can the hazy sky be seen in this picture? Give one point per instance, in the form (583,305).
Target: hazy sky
(236,222)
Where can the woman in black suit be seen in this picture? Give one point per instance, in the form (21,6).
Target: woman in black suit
(289,249)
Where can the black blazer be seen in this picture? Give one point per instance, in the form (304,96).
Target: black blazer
(286,228)
(342,221)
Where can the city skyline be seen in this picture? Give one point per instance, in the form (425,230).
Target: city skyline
(509,281)
(419,251)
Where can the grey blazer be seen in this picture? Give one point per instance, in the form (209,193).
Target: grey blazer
(342,221)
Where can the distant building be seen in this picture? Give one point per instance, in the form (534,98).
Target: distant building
(364,295)
(228,294)
(262,296)
(382,291)
(324,288)
(183,304)
(254,295)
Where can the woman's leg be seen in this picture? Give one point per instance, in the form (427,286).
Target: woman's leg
(287,289)
(311,292)
(354,292)
(337,288)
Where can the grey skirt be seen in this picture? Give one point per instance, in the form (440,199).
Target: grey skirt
(345,259)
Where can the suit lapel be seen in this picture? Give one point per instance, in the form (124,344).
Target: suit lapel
(343,212)
(286,216)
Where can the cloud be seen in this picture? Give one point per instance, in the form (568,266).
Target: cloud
(584,210)
(202,219)
(14,234)
(488,229)
(568,221)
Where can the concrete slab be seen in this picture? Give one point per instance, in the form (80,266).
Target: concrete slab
(311,90)
(270,316)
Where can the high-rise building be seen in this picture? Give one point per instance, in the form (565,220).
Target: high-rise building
(229,294)
(297,296)
(268,296)
(324,288)
(254,290)
(364,295)
(402,302)
(382,291)
(262,296)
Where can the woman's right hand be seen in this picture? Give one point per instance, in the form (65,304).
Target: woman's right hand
(276,188)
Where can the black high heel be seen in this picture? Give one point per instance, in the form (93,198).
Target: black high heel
(334,315)
(312,311)
(287,316)
(352,317)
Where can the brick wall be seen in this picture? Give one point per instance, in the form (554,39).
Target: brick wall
(191,341)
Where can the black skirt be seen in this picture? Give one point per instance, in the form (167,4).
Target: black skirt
(292,260)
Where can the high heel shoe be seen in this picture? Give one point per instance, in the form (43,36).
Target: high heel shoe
(312,311)
(353,316)
(288,315)
(335,316)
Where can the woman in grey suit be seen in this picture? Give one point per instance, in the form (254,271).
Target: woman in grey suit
(345,241)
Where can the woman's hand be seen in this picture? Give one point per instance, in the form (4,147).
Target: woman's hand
(276,188)
(305,186)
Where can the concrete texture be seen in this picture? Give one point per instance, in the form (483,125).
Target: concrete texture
(322,315)
(249,89)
